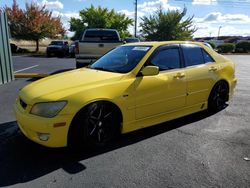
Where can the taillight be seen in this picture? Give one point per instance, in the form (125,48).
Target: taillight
(77,48)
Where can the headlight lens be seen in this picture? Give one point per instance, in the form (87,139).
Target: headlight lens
(48,109)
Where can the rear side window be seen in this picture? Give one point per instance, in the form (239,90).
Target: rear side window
(207,57)
(100,35)
(167,59)
(193,54)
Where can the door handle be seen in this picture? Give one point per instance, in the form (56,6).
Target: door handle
(213,69)
(179,75)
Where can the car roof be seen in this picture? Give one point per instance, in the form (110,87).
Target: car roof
(100,29)
(59,41)
(160,43)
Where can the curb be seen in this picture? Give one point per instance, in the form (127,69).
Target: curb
(30,75)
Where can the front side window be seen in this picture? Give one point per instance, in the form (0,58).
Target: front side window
(167,59)
(192,54)
(122,59)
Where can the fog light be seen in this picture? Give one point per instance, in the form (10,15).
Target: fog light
(43,136)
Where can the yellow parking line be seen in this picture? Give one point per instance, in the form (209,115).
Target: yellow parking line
(30,75)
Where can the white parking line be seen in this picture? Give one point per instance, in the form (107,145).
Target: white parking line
(26,68)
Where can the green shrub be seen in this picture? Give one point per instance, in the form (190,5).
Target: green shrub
(226,48)
(243,47)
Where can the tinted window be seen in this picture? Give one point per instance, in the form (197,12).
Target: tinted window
(128,40)
(207,57)
(100,35)
(167,59)
(192,54)
(56,43)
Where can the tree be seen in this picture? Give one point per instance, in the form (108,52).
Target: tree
(33,23)
(171,25)
(98,17)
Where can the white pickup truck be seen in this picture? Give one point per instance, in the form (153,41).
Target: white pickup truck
(94,44)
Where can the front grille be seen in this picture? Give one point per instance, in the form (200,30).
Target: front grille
(23,104)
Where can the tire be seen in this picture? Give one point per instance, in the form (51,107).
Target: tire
(81,65)
(95,126)
(78,65)
(218,96)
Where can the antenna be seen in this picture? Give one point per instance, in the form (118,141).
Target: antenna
(135,17)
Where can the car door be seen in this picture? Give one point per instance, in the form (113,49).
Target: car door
(200,73)
(164,92)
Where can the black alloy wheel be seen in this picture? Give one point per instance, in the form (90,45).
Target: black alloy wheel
(95,125)
(102,123)
(218,96)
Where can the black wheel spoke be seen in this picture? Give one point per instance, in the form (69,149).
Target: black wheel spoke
(100,112)
(93,109)
(92,121)
(101,135)
(93,117)
(93,130)
(107,115)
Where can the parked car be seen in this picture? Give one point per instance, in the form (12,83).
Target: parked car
(58,48)
(208,45)
(14,48)
(131,87)
(129,40)
(95,43)
(72,49)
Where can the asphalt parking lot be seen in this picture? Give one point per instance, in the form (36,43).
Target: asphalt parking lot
(200,150)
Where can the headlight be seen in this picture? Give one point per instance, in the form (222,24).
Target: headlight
(48,109)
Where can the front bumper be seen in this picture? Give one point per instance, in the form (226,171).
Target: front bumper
(31,126)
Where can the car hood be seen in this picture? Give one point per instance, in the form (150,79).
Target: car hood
(67,83)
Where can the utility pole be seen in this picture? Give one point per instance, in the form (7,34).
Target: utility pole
(219,32)
(135,17)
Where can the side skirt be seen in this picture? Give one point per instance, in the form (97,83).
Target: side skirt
(160,118)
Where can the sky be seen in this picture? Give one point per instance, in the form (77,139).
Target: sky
(231,16)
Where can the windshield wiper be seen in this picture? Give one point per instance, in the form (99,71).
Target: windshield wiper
(103,69)
(97,68)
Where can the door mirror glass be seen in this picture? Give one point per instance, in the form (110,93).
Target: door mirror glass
(150,71)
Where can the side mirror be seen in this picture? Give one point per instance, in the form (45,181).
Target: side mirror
(150,71)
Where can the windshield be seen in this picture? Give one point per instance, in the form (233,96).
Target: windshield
(132,40)
(56,43)
(122,59)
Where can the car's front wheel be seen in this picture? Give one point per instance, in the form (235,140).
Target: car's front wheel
(218,96)
(96,125)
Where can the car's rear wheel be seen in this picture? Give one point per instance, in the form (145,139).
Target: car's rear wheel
(218,96)
(96,125)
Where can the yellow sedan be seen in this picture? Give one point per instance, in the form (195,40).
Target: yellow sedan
(134,86)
